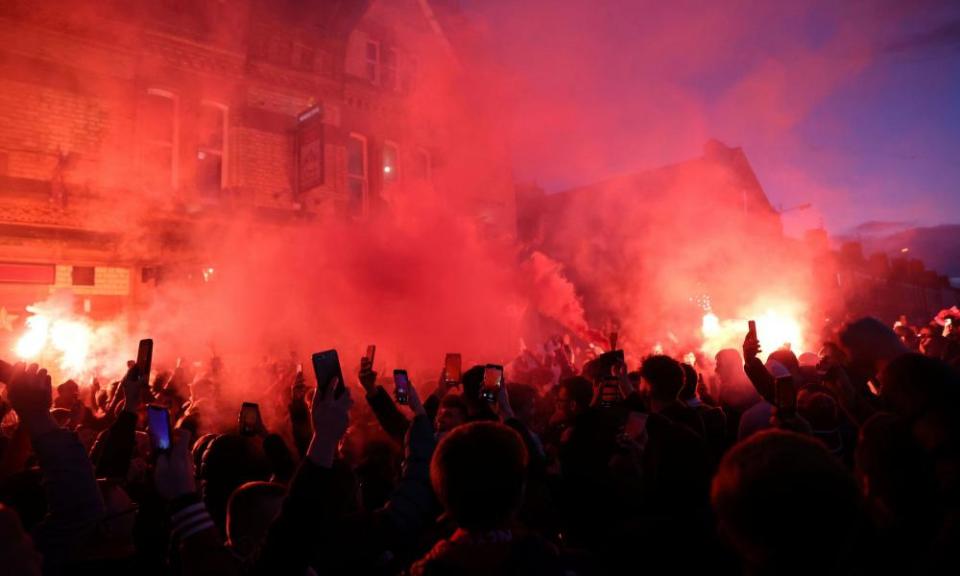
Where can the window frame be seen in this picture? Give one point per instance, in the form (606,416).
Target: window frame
(424,155)
(174,144)
(223,152)
(395,172)
(377,61)
(395,68)
(364,178)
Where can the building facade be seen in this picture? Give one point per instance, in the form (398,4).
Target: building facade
(127,127)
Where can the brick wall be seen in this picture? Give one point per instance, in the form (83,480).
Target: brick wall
(108,281)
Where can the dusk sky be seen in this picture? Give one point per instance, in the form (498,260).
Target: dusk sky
(851,106)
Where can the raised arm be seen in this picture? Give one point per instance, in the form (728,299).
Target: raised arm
(74,503)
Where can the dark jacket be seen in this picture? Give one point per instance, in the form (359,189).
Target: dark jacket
(497,553)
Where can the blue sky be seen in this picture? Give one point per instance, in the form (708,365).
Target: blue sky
(851,106)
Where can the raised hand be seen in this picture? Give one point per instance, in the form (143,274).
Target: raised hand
(330,417)
(751,347)
(368,377)
(29,391)
(503,403)
(132,385)
(413,401)
(174,471)
(443,385)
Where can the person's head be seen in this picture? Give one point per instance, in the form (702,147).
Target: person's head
(251,509)
(452,412)
(199,447)
(229,461)
(663,377)
(690,380)
(68,394)
(869,345)
(897,478)
(478,472)
(932,342)
(523,400)
(912,383)
(819,409)
(472,381)
(775,490)
(378,471)
(788,359)
(573,397)
(160,381)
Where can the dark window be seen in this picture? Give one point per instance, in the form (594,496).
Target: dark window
(373,61)
(83,276)
(211,128)
(158,116)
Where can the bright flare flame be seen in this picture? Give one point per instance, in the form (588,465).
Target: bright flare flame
(776,327)
(31,344)
(66,340)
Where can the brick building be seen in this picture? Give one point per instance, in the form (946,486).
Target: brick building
(637,225)
(127,126)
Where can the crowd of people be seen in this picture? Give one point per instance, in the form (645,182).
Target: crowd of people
(843,462)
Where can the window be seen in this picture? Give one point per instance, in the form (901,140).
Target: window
(357,181)
(373,61)
(82,276)
(423,170)
(160,135)
(390,79)
(391,154)
(211,148)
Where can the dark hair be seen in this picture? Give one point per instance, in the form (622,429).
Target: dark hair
(664,375)
(820,410)
(901,478)
(68,386)
(472,381)
(690,379)
(455,402)
(775,489)
(788,359)
(913,383)
(579,389)
(478,473)
(250,510)
(523,399)
(869,340)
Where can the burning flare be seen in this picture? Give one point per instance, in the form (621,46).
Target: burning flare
(52,336)
(777,327)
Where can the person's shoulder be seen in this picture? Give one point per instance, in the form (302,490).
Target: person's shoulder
(534,554)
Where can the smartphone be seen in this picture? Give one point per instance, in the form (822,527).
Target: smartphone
(158,426)
(786,395)
(492,381)
(401,383)
(453,368)
(752,329)
(144,359)
(609,392)
(326,366)
(249,418)
(371,354)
